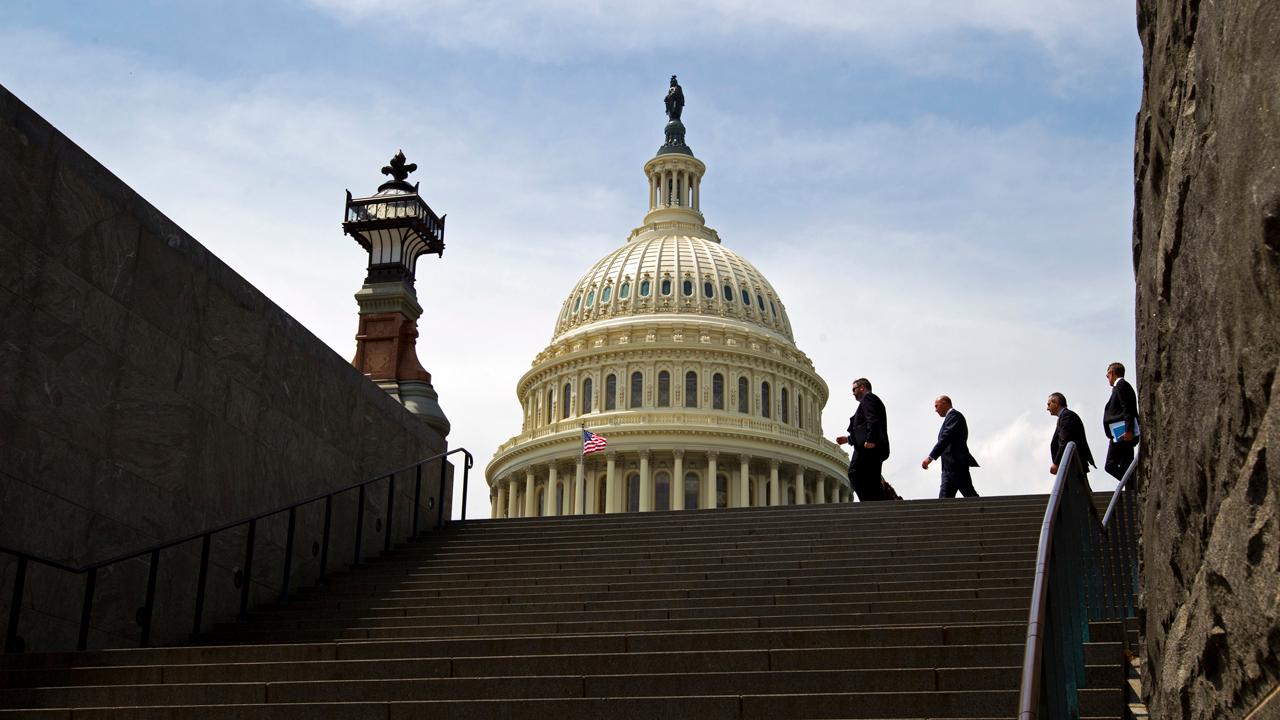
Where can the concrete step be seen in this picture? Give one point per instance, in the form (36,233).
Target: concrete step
(689,684)
(887,705)
(925,658)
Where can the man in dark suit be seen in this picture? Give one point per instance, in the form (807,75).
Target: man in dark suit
(1122,407)
(953,448)
(1070,429)
(868,438)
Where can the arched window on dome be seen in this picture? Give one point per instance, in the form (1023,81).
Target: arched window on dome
(799,409)
(691,389)
(687,287)
(624,292)
(764,399)
(708,290)
(744,396)
(644,288)
(746,299)
(728,293)
(759,301)
(605,294)
(773,308)
(717,391)
(611,392)
(591,298)
(551,398)
(664,389)
(637,389)
(666,286)
(662,490)
(577,303)
(691,491)
(586,396)
(786,414)
(567,403)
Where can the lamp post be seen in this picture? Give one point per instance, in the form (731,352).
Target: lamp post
(395,227)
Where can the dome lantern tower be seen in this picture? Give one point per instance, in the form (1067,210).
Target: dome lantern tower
(675,175)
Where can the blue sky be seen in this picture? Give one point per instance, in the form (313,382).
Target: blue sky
(942,195)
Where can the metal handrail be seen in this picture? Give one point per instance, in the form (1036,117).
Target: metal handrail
(1085,570)
(90,570)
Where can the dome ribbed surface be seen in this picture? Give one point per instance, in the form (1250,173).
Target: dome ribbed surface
(614,287)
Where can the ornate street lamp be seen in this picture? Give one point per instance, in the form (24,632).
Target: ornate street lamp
(395,227)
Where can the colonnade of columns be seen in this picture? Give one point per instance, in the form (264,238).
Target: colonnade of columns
(648,480)
(674,187)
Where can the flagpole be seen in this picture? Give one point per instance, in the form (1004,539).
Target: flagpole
(582,463)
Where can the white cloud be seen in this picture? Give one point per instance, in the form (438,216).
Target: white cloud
(928,36)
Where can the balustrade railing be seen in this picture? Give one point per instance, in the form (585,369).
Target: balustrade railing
(144,617)
(1086,570)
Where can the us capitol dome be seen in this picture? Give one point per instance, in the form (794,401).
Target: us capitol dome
(679,352)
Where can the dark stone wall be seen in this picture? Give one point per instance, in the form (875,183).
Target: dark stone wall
(147,392)
(1207,260)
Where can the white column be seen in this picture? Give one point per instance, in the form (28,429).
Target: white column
(553,474)
(677,481)
(530,498)
(820,490)
(646,483)
(697,193)
(775,487)
(610,484)
(799,484)
(744,478)
(711,480)
(578,503)
(495,502)
(511,497)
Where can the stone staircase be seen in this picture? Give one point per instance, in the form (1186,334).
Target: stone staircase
(886,610)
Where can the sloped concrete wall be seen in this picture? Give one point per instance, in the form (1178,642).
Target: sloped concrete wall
(1207,260)
(147,391)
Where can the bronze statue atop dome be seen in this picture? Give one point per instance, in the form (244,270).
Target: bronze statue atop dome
(674,100)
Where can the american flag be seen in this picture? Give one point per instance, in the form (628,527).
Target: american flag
(592,442)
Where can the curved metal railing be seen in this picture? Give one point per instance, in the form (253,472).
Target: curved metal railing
(1086,570)
(13,642)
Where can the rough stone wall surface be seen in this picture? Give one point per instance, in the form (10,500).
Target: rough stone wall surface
(1207,260)
(147,392)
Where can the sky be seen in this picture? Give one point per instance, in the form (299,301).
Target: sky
(940,192)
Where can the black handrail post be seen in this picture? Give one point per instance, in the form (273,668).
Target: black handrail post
(391,512)
(248,569)
(466,477)
(148,606)
(86,608)
(288,555)
(359,527)
(444,471)
(15,608)
(324,537)
(202,581)
(417,497)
